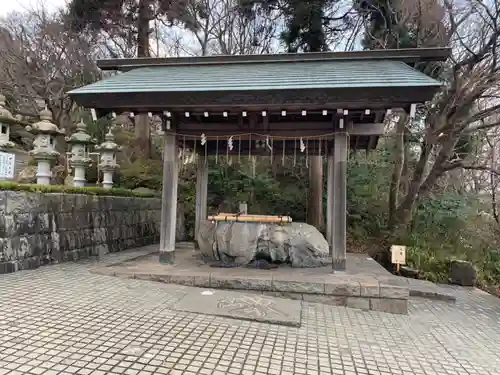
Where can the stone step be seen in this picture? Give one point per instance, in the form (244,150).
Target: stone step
(365,292)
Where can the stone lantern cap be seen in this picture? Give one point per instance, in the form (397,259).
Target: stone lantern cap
(80,136)
(45,125)
(5,115)
(109,143)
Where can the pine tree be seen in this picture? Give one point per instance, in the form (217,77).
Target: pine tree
(130,20)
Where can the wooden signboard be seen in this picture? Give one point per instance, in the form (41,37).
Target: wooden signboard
(398,255)
(7,165)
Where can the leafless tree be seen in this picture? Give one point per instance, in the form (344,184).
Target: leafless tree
(40,59)
(469,104)
(222,27)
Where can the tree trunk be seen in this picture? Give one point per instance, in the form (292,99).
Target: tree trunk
(143,28)
(315,212)
(142,135)
(406,167)
(399,160)
(419,185)
(142,127)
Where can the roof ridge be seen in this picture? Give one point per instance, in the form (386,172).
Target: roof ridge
(410,55)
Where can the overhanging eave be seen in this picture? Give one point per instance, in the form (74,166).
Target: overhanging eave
(347,98)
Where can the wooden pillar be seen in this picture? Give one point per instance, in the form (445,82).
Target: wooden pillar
(339,227)
(169,198)
(329,201)
(201,193)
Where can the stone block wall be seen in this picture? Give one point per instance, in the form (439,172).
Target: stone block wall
(38,228)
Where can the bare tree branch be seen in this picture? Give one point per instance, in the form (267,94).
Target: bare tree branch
(41,59)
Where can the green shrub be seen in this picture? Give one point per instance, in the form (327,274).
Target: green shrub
(33,188)
(433,266)
(141,173)
(367,191)
(489,272)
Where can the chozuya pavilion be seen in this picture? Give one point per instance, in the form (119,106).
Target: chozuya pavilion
(231,105)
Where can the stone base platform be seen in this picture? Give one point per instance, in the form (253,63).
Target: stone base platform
(364,285)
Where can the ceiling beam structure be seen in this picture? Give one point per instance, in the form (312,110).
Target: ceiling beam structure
(270,132)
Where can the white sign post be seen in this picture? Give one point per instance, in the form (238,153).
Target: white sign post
(7,163)
(398,255)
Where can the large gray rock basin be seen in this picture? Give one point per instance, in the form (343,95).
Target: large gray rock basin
(299,245)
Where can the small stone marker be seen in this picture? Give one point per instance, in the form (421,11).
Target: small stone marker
(398,255)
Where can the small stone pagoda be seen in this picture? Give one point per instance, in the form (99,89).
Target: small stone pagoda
(80,160)
(44,151)
(108,164)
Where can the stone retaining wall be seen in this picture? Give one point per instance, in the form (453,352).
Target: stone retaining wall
(40,229)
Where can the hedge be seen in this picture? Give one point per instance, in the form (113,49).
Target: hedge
(89,190)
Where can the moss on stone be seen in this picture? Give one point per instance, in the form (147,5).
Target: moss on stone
(32,188)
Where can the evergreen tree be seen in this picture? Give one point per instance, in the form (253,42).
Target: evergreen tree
(383,30)
(309,25)
(129,20)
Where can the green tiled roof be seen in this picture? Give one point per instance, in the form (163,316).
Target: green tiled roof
(327,74)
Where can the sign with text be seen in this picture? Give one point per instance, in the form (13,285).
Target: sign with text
(398,254)
(7,163)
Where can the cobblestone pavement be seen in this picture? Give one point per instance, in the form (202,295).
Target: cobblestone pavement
(64,320)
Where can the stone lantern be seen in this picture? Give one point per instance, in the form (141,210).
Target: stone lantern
(44,151)
(108,163)
(6,120)
(80,142)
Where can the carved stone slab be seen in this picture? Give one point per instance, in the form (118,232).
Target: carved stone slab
(242,306)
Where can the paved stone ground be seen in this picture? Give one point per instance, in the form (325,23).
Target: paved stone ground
(65,320)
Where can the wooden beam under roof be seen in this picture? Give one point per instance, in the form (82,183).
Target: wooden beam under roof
(247,146)
(376,99)
(310,129)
